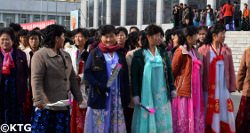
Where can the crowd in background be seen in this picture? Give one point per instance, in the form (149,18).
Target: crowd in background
(228,14)
(111,80)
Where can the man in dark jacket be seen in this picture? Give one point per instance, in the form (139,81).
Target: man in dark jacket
(237,15)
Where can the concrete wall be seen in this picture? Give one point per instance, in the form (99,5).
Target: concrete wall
(238,41)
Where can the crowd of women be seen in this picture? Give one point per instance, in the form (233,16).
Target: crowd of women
(229,14)
(111,81)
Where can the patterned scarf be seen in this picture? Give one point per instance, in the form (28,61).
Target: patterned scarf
(108,49)
(8,62)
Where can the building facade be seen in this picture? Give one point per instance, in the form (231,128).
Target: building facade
(25,11)
(137,12)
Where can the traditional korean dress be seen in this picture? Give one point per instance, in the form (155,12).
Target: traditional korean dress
(111,119)
(188,112)
(154,95)
(219,115)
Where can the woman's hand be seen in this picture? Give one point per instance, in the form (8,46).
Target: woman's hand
(173,94)
(40,106)
(136,100)
(81,105)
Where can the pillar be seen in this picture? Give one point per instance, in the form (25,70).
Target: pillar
(96,13)
(83,13)
(183,1)
(140,13)
(212,3)
(123,12)
(159,11)
(108,12)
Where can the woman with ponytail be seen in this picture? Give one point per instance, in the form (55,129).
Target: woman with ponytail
(152,85)
(188,106)
(218,82)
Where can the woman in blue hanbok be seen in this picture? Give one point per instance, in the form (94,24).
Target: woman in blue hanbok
(152,84)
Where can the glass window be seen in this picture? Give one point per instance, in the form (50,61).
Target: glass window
(24,18)
(221,2)
(67,22)
(115,12)
(36,18)
(149,11)
(51,17)
(90,13)
(9,18)
(131,12)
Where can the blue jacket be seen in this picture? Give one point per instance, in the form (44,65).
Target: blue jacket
(96,74)
(21,74)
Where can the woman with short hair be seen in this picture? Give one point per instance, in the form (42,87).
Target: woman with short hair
(52,77)
(34,40)
(79,54)
(13,79)
(108,92)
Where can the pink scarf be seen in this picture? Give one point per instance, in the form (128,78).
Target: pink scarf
(8,62)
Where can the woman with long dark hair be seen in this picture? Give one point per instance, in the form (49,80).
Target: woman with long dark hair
(188,106)
(152,85)
(218,82)
(133,42)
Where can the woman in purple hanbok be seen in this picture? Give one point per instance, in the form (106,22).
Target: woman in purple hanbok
(106,103)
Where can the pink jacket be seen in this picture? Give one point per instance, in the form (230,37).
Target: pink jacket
(228,63)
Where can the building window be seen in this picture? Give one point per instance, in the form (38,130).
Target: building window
(36,18)
(24,18)
(9,18)
(67,22)
(131,12)
(51,17)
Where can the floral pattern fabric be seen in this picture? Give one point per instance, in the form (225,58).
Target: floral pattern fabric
(111,119)
(188,112)
(48,121)
(154,95)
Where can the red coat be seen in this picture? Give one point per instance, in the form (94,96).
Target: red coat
(228,10)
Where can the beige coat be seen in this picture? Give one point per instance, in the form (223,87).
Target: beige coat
(52,78)
(243,77)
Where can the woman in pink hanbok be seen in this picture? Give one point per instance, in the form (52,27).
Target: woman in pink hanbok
(188,106)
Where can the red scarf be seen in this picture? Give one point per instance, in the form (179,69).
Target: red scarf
(8,62)
(108,49)
(213,104)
